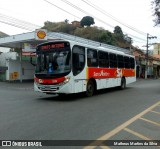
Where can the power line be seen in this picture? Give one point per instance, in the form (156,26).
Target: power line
(72,5)
(61,8)
(26,25)
(112,17)
(17,23)
(13,24)
(85,12)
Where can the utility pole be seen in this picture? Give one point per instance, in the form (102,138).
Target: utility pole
(130,47)
(146,68)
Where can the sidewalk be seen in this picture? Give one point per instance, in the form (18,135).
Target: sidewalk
(17,85)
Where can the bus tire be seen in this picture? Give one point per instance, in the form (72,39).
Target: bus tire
(123,84)
(90,89)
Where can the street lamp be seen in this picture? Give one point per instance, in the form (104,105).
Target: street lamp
(148,37)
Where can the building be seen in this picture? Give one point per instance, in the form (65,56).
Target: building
(156,55)
(10,67)
(76,23)
(153,66)
(156,49)
(15,66)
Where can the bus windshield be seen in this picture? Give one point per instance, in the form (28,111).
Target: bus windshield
(53,62)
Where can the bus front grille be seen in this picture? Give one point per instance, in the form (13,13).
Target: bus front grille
(48,88)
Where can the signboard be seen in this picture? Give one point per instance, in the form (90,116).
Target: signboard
(41,34)
(27,47)
(54,45)
(15,75)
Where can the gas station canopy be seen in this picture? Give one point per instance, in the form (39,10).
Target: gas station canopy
(26,40)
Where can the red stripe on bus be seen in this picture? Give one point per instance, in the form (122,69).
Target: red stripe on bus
(50,81)
(100,73)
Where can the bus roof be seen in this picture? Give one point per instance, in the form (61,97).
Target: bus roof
(102,48)
(91,46)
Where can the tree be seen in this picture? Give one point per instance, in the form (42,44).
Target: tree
(118,30)
(118,33)
(87,21)
(66,21)
(156,9)
(108,38)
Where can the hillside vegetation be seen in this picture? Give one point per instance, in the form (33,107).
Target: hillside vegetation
(117,38)
(3,34)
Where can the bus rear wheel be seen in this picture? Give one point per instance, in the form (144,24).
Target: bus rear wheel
(90,88)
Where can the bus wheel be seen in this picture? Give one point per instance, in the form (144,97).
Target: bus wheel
(90,88)
(123,83)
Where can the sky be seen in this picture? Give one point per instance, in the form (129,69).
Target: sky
(137,14)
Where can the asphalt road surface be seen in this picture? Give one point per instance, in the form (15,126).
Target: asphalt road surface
(108,115)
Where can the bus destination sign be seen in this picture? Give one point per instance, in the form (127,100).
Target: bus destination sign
(52,46)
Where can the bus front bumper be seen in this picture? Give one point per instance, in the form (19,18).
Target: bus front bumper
(53,89)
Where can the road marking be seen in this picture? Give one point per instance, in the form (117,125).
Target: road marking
(137,134)
(104,147)
(152,122)
(155,112)
(121,127)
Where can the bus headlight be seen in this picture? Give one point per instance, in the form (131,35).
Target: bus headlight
(65,81)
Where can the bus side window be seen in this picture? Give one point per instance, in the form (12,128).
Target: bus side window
(132,63)
(113,60)
(103,59)
(92,58)
(120,61)
(126,62)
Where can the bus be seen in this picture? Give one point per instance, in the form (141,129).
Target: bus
(67,67)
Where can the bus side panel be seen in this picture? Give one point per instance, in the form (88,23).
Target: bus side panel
(78,86)
(130,80)
(80,82)
(108,82)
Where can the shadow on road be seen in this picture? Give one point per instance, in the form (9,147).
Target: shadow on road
(80,96)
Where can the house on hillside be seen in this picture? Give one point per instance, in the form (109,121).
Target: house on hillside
(76,23)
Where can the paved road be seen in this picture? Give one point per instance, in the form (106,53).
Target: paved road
(27,115)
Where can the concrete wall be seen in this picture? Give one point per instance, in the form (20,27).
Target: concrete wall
(7,56)
(13,72)
(156,49)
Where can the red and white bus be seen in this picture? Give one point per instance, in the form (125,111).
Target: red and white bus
(66,67)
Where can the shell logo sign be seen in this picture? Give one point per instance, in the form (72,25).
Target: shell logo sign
(41,34)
